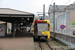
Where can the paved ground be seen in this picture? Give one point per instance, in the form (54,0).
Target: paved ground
(18,43)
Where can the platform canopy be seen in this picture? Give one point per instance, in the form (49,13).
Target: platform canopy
(11,15)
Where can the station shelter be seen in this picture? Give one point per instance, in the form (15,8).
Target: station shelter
(19,20)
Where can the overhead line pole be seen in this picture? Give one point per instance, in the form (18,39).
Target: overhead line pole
(54,20)
(44,11)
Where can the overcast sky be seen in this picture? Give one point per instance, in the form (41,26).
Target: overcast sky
(32,6)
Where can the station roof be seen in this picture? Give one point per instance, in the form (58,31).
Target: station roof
(13,11)
(10,15)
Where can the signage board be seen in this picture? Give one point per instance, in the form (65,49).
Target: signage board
(62,26)
(73,24)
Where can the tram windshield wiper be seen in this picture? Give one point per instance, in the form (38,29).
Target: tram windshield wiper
(45,29)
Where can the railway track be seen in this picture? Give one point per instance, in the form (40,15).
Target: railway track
(36,46)
(50,46)
(44,46)
(55,46)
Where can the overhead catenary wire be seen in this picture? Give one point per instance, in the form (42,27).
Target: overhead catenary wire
(67,2)
(46,9)
(47,6)
(57,5)
(51,1)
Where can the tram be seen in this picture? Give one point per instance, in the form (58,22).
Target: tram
(42,29)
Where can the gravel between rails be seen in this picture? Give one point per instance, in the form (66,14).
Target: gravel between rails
(45,46)
(50,46)
(36,46)
(53,45)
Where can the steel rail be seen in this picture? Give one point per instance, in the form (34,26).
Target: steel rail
(40,46)
(49,46)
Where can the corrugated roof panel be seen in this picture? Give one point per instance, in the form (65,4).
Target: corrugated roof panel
(12,11)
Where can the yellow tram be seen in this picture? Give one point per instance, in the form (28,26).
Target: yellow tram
(42,29)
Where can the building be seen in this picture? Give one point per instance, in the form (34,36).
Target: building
(70,7)
(58,10)
(67,19)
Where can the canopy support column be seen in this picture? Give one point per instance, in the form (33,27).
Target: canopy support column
(13,29)
(6,29)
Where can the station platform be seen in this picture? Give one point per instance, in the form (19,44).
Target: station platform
(23,41)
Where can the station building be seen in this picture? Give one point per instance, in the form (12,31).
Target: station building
(58,10)
(68,19)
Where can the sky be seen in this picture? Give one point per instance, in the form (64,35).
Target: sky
(32,6)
